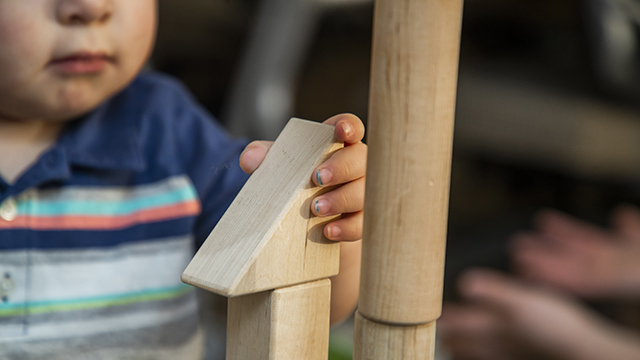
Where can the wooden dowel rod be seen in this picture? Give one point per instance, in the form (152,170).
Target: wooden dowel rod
(410,131)
(401,342)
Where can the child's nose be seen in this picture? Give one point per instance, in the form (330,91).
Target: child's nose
(70,12)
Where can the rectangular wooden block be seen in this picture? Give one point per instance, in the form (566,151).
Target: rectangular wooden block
(282,324)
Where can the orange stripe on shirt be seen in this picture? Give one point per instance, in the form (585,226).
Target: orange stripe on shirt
(79,222)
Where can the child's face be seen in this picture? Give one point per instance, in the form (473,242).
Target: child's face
(61,58)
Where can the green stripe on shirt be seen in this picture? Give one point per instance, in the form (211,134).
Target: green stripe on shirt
(43,307)
(97,208)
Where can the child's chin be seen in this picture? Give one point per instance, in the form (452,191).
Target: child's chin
(71,114)
(66,112)
(73,107)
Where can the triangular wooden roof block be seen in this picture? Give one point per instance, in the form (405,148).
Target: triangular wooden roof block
(268,238)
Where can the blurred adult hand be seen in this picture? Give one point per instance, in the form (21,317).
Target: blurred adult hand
(581,258)
(504,319)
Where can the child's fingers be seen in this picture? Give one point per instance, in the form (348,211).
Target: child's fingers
(466,319)
(253,155)
(343,166)
(553,269)
(557,225)
(347,198)
(492,287)
(349,228)
(525,243)
(349,128)
(626,221)
(528,251)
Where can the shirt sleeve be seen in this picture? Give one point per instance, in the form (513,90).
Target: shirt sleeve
(215,172)
(202,149)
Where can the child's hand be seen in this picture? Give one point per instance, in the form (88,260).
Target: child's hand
(346,168)
(581,258)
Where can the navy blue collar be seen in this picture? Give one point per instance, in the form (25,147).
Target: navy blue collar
(107,138)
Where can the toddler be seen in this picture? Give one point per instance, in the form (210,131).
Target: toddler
(110,179)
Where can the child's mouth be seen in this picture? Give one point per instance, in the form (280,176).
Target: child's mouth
(82,63)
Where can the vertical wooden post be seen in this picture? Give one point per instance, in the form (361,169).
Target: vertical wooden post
(412,101)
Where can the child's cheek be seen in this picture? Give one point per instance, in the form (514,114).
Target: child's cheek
(26,47)
(9,35)
(19,39)
(135,30)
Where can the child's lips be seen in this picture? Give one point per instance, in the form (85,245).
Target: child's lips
(82,63)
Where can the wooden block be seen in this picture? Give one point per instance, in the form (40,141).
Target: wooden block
(282,324)
(268,238)
(377,341)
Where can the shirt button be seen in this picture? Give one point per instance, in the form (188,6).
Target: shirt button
(6,285)
(9,209)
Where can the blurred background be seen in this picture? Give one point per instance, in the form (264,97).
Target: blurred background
(547,116)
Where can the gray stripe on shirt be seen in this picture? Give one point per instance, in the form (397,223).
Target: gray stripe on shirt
(181,340)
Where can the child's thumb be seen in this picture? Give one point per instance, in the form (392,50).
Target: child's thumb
(253,155)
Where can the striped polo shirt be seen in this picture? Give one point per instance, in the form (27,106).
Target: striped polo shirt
(94,236)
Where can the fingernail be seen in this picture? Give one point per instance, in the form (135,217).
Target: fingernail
(322,206)
(245,150)
(323,176)
(347,128)
(334,232)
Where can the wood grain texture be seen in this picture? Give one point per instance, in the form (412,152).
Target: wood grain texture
(282,324)
(412,101)
(268,238)
(375,341)
(297,252)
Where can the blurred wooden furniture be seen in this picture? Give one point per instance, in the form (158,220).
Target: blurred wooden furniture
(546,128)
